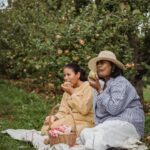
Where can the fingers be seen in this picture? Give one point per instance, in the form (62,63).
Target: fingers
(91,81)
(64,87)
(50,119)
(46,120)
(69,89)
(53,118)
(97,78)
(67,83)
(94,83)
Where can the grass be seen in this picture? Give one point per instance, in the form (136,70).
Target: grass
(19,109)
(147,94)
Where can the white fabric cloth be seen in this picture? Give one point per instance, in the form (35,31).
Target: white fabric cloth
(109,134)
(37,139)
(114,133)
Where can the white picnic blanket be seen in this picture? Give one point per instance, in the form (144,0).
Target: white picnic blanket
(37,139)
(112,133)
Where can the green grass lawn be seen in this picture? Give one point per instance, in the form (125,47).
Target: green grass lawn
(147,94)
(19,109)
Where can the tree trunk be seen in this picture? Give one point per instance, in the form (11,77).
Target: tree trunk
(80,4)
(139,85)
(137,81)
(97,2)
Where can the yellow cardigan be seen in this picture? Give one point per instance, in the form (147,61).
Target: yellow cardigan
(81,105)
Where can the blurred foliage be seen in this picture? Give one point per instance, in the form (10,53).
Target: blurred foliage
(39,37)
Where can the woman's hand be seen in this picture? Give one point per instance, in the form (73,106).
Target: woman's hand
(67,88)
(95,84)
(50,119)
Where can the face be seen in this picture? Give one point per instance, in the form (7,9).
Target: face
(104,69)
(70,75)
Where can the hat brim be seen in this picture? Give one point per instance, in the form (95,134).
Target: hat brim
(93,61)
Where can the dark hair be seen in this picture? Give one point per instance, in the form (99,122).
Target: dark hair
(76,68)
(116,71)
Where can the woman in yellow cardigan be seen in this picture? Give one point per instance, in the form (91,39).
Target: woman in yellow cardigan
(77,97)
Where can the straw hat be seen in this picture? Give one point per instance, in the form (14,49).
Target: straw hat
(105,55)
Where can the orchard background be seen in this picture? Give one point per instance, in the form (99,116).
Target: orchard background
(37,38)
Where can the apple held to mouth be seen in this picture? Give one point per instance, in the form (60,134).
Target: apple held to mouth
(92,75)
(67,83)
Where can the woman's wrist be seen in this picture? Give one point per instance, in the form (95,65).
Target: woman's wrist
(99,90)
(71,91)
